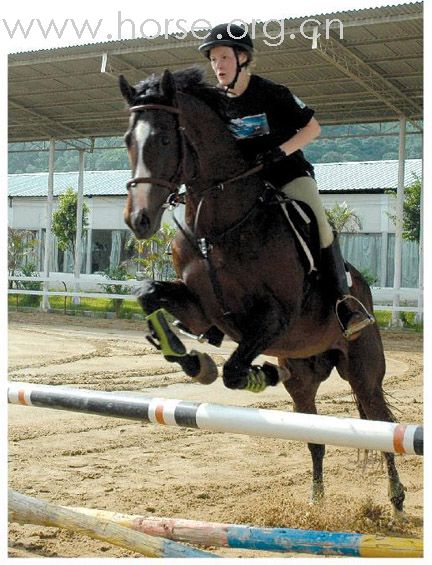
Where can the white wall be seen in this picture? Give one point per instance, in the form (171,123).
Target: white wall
(107,212)
(30,213)
(372,209)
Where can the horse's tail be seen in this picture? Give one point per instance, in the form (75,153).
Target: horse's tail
(390,415)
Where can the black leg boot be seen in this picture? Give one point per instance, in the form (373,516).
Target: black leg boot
(350,312)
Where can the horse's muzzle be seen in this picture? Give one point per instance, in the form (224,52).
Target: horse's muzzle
(140,224)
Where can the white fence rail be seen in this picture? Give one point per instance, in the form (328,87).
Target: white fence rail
(382,296)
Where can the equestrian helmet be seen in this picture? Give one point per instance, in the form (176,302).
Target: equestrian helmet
(230,35)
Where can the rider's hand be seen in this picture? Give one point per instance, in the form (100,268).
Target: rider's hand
(268,158)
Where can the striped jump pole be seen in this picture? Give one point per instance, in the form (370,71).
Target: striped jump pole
(265,539)
(310,428)
(29,510)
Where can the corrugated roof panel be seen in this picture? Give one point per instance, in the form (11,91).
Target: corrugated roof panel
(340,177)
(365,175)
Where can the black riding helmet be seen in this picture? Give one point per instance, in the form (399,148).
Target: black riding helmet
(233,36)
(227,34)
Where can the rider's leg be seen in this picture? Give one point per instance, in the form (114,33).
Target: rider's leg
(351,313)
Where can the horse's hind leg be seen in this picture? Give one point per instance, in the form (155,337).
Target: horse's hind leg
(364,369)
(307,375)
(174,297)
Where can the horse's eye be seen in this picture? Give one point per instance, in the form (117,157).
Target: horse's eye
(165,140)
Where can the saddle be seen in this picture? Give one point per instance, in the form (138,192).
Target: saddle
(303,225)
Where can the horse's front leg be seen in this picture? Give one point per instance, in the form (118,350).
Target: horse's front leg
(264,324)
(158,299)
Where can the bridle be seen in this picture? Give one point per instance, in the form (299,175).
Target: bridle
(171,185)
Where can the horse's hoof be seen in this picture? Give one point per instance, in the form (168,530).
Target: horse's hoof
(208,372)
(400,516)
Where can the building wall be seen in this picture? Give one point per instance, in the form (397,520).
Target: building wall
(370,250)
(104,213)
(372,209)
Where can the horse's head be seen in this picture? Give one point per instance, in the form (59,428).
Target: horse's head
(154,145)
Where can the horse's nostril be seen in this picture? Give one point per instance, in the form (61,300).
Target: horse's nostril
(141,223)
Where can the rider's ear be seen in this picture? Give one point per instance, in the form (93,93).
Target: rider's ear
(168,86)
(128,91)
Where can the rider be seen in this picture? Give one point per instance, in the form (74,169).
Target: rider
(272,126)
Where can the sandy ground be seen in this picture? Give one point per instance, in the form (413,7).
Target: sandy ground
(131,467)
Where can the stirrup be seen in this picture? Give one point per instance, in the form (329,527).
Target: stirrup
(367,321)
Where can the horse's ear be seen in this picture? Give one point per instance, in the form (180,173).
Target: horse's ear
(128,91)
(168,86)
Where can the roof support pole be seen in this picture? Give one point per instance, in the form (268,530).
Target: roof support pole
(78,237)
(48,234)
(395,321)
(419,315)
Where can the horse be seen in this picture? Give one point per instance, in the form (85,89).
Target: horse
(238,262)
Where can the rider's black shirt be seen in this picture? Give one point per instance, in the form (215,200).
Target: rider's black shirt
(265,116)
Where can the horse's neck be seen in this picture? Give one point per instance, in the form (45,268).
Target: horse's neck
(219,159)
(218,155)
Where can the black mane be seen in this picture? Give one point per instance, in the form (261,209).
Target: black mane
(190,81)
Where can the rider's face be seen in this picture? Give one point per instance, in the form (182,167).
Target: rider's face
(224,64)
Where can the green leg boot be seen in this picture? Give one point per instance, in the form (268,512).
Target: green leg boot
(162,337)
(195,364)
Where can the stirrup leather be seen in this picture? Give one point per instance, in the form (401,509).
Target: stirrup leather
(369,319)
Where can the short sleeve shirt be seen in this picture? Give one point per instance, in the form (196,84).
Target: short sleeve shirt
(265,116)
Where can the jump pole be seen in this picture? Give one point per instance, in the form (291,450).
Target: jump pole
(343,432)
(29,510)
(265,539)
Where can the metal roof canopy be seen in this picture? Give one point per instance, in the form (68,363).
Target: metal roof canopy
(375,73)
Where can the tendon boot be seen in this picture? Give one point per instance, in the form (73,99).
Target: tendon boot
(195,364)
(350,312)
(162,337)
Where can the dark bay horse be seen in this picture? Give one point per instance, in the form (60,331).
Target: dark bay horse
(238,263)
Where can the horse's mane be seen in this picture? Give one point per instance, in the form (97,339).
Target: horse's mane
(190,81)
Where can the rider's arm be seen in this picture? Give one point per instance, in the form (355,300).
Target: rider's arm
(304,136)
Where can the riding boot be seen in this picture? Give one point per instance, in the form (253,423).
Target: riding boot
(351,314)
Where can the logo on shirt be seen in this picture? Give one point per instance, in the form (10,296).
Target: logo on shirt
(249,126)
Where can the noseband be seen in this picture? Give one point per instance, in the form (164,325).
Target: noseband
(170,185)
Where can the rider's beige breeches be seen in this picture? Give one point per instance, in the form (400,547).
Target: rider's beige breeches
(306,190)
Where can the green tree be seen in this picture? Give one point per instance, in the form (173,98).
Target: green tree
(29,270)
(343,218)
(411,211)
(153,254)
(21,243)
(64,220)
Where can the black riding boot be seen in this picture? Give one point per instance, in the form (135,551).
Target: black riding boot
(350,312)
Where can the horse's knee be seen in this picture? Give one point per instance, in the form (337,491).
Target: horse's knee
(147,296)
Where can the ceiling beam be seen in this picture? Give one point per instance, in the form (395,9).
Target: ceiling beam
(44,120)
(333,51)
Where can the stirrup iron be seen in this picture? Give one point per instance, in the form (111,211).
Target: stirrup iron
(368,320)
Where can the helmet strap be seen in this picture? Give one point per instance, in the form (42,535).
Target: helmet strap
(239,68)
